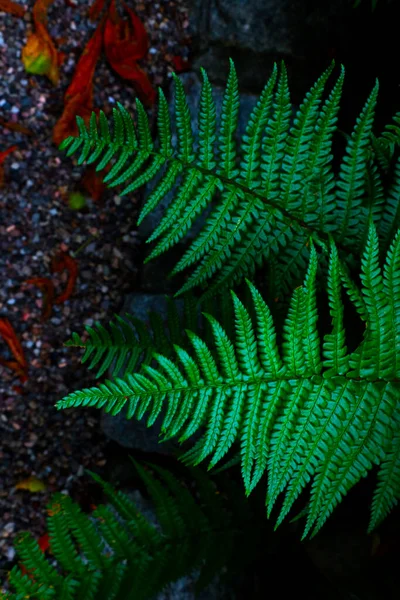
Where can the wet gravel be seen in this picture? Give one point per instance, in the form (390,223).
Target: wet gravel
(35,223)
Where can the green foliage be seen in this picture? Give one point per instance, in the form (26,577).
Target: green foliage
(128,342)
(305,401)
(117,553)
(305,410)
(264,197)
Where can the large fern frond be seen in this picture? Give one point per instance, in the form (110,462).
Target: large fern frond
(308,410)
(276,186)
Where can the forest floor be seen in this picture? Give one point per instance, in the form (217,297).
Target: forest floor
(36,223)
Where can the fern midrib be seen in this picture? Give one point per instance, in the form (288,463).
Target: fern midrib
(271,205)
(247,383)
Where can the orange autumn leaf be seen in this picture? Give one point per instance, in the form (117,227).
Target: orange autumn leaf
(47,288)
(64,262)
(31,484)
(3,156)
(78,99)
(11,126)
(96,9)
(19,365)
(126,42)
(39,55)
(12,8)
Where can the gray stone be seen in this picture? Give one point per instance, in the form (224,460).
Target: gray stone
(256,33)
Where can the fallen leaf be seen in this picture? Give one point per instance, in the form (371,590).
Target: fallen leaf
(32,484)
(11,126)
(93,183)
(126,42)
(61,262)
(96,9)
(39,55)
(44,542)
(76,201)
(12,8)
(78,99)
(19,365)
(47,288)
(3,156)
(181,65)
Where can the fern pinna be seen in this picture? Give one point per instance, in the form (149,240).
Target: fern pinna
(266,196)
(306,410)
(117,553)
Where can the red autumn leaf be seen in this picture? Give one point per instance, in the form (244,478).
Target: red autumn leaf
(78,99)
(93,183)
(39,55)
(96,9)
(3,156)
(47,288)
(125,42)
(12,8)
(44,542)
(181,65)
(19,365)
(64,262)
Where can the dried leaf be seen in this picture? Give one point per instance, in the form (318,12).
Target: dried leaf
(19,365)
(44,542)
(78,99)
(47,288)
(93,183)
(11,126)
(96,9)
(76,201)
(126,42)
(3,156)
(12,8)
(60,263)
(32,484)
(39,55)
(181,65)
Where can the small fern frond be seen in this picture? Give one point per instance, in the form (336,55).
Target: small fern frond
(128,342)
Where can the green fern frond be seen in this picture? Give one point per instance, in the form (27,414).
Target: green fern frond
(276,185)
(119,554)
(307,411)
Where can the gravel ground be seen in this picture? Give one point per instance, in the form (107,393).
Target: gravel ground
(35,223)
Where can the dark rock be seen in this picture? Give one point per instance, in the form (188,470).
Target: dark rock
(256,33)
